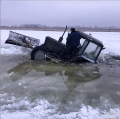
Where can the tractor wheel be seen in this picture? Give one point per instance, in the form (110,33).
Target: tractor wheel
(37,53)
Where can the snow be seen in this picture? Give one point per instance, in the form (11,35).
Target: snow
(43,109)
(24,109)
(110,40)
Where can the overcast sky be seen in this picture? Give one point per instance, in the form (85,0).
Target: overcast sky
(61,13)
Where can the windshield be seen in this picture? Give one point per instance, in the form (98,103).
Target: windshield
(92,51)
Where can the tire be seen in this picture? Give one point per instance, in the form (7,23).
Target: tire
(37,53)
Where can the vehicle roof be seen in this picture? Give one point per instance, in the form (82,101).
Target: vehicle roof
(90,38)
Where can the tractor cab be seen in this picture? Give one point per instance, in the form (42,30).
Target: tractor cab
(89,50)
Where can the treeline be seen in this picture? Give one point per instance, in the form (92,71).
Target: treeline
(44,27)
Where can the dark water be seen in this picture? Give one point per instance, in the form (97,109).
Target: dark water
(65,84)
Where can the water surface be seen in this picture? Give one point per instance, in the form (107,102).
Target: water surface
(66,85)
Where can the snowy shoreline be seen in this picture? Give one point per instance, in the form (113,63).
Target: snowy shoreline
(62,29)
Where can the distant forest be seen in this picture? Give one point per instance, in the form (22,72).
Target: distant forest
(59,28)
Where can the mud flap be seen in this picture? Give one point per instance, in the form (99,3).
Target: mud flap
(22,40)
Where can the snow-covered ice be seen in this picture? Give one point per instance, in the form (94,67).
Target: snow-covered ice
(43,109)
(111,40)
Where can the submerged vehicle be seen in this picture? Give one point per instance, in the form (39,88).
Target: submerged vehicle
(88,51)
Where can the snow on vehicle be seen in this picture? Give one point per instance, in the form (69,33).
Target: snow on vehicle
(22,40)
(52,49)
